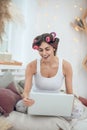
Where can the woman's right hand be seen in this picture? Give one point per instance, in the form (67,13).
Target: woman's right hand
(28,102)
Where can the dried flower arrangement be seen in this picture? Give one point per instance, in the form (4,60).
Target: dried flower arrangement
(8,12)
(4,15)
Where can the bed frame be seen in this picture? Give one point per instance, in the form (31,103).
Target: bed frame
(17,71)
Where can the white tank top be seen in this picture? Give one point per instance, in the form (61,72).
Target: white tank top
(52,84)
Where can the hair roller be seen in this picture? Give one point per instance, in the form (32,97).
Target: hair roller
(47,39)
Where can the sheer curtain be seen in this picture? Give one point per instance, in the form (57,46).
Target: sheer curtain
(23,32)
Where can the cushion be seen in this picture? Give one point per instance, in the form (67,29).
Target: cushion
(12,87)
(0,114)
(21,83)
(8,99)
(6,79)
(19,89)
(83,100)
(78,109)
(20,107)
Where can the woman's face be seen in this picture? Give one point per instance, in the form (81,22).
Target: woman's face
(46,51)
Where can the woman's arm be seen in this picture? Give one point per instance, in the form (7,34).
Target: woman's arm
(67,70)
(30,71)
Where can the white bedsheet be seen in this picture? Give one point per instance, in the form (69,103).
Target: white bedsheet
(74,124)
(21,121)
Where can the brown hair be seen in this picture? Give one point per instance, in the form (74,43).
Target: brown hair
(49,38)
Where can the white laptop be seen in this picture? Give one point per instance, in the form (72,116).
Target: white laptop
(51,104)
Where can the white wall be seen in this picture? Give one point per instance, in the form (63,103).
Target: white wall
(46,16)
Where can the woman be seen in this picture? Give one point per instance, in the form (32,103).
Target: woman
(52,69)
(49,71)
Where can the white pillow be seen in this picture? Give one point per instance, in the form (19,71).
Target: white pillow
(6,79)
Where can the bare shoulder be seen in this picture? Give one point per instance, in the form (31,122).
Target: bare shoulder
(66,63)
(67,67)
(31,67)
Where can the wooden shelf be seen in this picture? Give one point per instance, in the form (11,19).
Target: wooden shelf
(11,63)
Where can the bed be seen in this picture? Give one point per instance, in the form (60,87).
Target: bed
(23,121)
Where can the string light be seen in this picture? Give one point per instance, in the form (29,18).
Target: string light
(81,8)
(48,26)
(75,39)
(75,6)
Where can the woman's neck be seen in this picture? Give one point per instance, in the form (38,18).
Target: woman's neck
(50,62)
